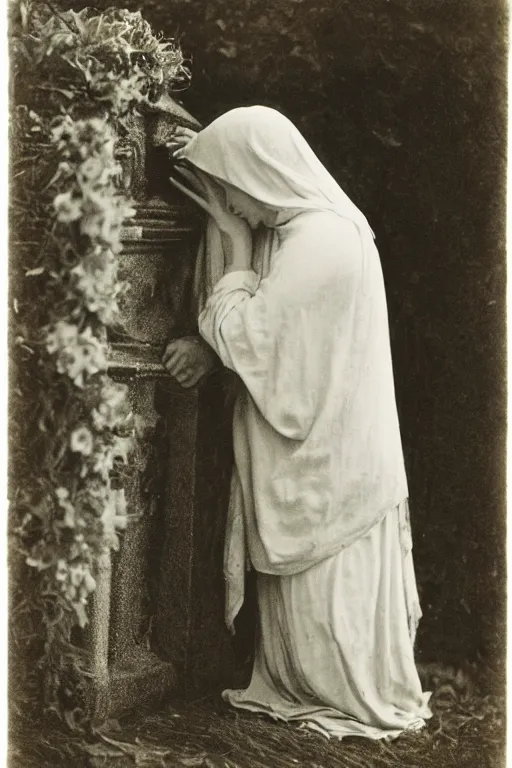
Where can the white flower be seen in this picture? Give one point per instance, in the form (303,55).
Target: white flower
(61,572)
(70,362)
(99,286)
(92,352)
(92,169)
(99,127)
(122,447)
(103,462)
(63,335)
(114,410)
(62,129)
(81,441)
(98,224)
(77,353)
(89,582)
(65,169)
(77,582)
(62,495)
(68,208)
(69,517)
(76,572)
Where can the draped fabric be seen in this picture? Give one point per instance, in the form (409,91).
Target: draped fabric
(316,437)
(341,660)
(318,490)
(259,151)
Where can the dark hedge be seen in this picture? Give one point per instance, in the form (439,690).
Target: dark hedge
(405,102)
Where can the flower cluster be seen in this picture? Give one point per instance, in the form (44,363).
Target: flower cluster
(112,410)
(88,197)
(81,74)
(89,211)
(100,287)
(89,174)
(114,53)
(78,354)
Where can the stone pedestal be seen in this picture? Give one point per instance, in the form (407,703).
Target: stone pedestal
(157,622)
(189,624)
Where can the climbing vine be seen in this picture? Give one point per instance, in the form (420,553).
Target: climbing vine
(77,77)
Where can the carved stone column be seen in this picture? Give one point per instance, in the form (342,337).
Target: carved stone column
(157,624)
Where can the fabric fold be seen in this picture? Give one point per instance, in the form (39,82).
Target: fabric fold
(316,436)
(342,665)
(208,276)
(318,493)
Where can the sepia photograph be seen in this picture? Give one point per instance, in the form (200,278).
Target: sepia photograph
(257,383)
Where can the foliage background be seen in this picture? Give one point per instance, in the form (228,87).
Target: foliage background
(405,102)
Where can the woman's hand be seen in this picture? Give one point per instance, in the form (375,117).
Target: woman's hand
(188,359)
(181,138)
(210,196)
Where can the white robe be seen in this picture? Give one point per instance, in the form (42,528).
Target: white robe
(342,657)
(317,504)
(317,444)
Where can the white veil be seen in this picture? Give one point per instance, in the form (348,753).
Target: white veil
(259,150)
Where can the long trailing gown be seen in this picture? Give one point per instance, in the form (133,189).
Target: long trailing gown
(335,645)
(318,504)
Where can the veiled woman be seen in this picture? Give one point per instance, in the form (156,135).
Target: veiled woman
(292,299)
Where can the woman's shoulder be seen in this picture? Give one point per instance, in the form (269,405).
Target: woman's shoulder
(319,247)
(324,231)
(322,222)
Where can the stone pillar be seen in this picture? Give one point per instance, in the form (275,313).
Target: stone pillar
(157,622)
(189,626)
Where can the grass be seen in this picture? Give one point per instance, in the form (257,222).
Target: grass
(466,730)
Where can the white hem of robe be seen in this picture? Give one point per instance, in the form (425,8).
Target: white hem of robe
(336,644)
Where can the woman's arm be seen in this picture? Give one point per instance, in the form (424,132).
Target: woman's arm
(236,235)
(277,334)
(210,196)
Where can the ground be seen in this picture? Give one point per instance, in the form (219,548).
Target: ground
(466,730)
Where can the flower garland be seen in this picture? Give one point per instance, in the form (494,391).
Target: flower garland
(88,215)
(79,75)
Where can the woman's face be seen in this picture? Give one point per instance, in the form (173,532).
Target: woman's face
(242,204)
